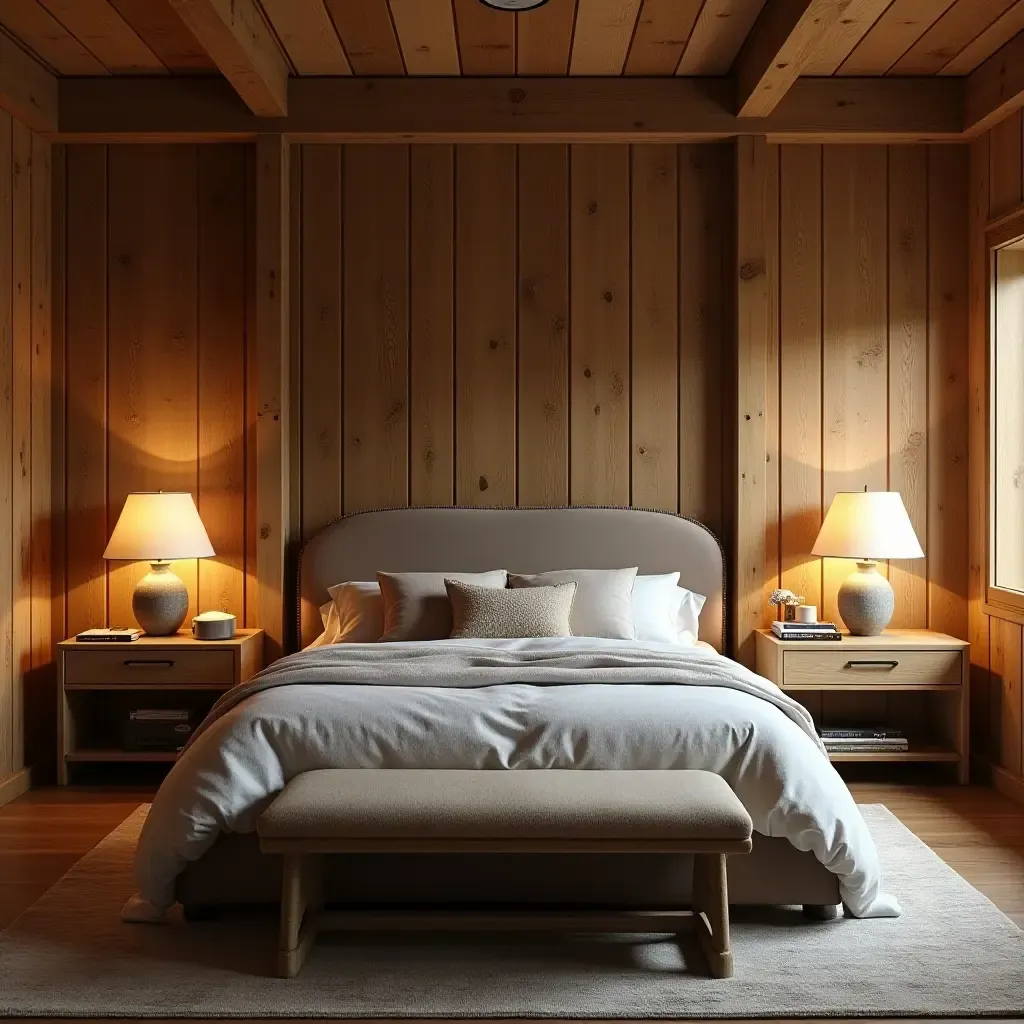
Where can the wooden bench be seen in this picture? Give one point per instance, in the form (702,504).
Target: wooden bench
(522,812)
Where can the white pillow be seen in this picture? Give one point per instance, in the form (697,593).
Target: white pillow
(687,618)
(603,606)
(664,612)
(358,610)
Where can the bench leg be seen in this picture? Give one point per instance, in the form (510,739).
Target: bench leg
(711,911)
(301,899)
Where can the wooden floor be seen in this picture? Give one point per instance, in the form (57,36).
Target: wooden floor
(975,830)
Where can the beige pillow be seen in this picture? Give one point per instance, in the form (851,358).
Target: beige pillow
(604,600)
(416,605)
(488,614)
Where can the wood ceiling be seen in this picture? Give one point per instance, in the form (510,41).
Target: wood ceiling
(455,70)
(574,37)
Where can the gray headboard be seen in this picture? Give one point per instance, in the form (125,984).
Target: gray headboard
(521,540)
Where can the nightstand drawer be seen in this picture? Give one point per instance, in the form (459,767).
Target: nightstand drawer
(145,665)
(864,667)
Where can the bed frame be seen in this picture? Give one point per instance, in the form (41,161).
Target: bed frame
(234,871)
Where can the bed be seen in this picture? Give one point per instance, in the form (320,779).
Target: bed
(199,848)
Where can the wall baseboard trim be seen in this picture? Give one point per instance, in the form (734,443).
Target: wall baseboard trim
(15,785)
(1007,784)
(988,774)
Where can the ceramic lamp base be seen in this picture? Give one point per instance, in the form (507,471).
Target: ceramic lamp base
(866,600)
(160,601)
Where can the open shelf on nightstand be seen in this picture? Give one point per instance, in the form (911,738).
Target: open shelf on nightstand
(99,755)
(918,752)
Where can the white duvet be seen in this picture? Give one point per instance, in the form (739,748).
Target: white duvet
(698,710)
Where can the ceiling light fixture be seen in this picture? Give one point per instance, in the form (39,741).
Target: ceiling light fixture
(514,5)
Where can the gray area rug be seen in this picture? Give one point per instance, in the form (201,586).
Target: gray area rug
(951,954)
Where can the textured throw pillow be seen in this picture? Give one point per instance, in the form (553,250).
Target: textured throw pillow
(663,611)
(604,599)
(359,608)
(416,605)
(485,613)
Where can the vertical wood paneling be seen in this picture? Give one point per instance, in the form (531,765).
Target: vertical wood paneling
(543,322)
(252,525)
(599,326)
(39,701)
(978,469)
(757,330)
(705,276)
(654,307)
(321,302)
(432,325)
(946,543)
(152,331)
(908,368)
(485,339)
(1005,176)
(58,403)
(1006,708)
(855,447)
(7,668)
(800,353)
(27,378)
(87,513)
(376,366)
(221,375)
(21,483)
(272,325)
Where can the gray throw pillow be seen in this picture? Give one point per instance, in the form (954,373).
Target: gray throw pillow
(484,613)
(416,605)
(604,599)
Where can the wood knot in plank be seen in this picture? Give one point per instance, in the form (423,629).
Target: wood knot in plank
(483,483)
(751,269)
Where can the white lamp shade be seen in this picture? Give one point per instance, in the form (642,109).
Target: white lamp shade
(158,527)
(867,525)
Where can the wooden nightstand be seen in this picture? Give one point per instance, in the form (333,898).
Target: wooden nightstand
(101,682)
(910,679)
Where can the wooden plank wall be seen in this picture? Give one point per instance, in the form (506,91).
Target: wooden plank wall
(154,311)
(502,325)
(852,279)
(996,189)
(26,353)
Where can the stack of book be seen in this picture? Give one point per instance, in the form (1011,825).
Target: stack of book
(864,740)
(806,631)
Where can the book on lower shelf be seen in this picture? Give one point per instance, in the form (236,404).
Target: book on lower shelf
(864,740)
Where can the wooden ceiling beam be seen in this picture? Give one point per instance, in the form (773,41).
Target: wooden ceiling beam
(510,109)
(239,42)
(996,88)
(27,90)
(788,36)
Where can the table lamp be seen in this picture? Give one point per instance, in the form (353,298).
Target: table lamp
(156,527)
(867,525)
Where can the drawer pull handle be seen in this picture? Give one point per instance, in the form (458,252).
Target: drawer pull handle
(872,664)
(150,663)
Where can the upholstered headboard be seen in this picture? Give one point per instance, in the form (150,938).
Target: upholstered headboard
(520,540)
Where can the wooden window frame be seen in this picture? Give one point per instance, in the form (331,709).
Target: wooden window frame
(1008,229)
